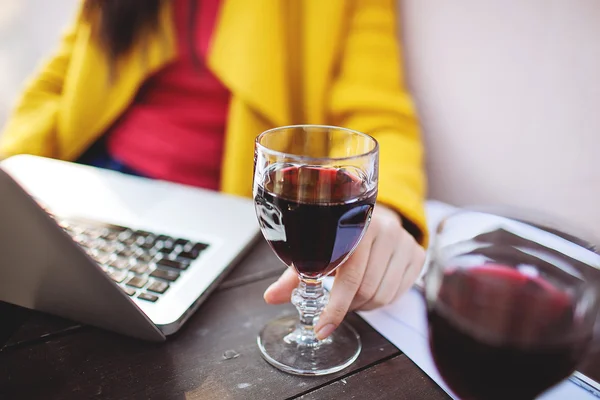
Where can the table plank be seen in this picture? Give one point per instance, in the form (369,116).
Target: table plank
(20,326)
(34,326)
(11,319)
(397,378)
(191,363)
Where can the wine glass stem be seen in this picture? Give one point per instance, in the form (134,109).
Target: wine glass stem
(310,299)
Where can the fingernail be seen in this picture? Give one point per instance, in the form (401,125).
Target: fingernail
(325,331)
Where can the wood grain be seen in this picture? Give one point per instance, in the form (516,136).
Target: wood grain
(51,358)
(397,378)
(11,320)
(35,326)
(190,365)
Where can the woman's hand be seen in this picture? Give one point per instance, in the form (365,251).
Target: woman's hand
(385,264)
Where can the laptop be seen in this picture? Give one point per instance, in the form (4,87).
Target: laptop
(127,254)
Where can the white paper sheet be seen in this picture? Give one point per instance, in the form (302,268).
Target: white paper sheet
(404,323)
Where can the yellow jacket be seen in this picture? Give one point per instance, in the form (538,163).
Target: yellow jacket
(347,74)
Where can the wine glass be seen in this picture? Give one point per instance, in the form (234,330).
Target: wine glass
(314,190)
(511,303)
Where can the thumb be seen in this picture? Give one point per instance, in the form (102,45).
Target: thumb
(281,291)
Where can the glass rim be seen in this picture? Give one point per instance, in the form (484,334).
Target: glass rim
(538,219)
(445,260)
(269,151)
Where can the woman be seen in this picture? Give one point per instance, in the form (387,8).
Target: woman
(179,89)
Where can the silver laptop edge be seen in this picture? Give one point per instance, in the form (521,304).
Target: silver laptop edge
(43,269)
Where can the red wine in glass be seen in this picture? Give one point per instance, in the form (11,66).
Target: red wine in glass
(497,332)
(314,189)
(313,217)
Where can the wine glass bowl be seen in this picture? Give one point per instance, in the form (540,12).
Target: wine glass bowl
(314,188)
(511,312)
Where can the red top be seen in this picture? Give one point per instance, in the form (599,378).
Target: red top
(174,129)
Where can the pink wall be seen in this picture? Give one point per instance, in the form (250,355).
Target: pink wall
(509,96)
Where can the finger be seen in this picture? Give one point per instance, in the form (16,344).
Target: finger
(281,290)
(390,283)
(403,270)
(394,275)
(345,286)
(379,259)
(412,273)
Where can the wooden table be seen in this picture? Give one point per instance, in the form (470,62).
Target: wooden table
(44,357)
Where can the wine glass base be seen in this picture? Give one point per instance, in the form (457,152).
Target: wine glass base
(280,345)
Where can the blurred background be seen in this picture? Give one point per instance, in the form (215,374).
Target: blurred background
(508,93)
(509,97)
(29,30)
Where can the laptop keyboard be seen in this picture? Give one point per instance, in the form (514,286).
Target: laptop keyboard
(144,264)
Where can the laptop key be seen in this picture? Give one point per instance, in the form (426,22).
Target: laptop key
(115,228)
(167,275)
(139,268)
(188,255)
(148,297)
(85,241)
(143,233)
(129,241)
(165,242)
(120,263)
(125,234)
(144,257)
(197,249)
(112,235)
(166,250)
(182,242)
(93,233)
(135,236)
(129,291)
(127,252)
(146,245)
(177,264)
(200,246)
(154,252)
(192,250)
(103,258)
(91,252)
(185,263)
(162,238)
(137,281)
(109,247)
(117,276)
(77,230)
(158,287)
(146,242)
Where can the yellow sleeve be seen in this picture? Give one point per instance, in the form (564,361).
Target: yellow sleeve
(31,127)
(369,96)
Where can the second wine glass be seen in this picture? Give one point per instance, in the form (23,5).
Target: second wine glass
(511,301)
(314,189)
